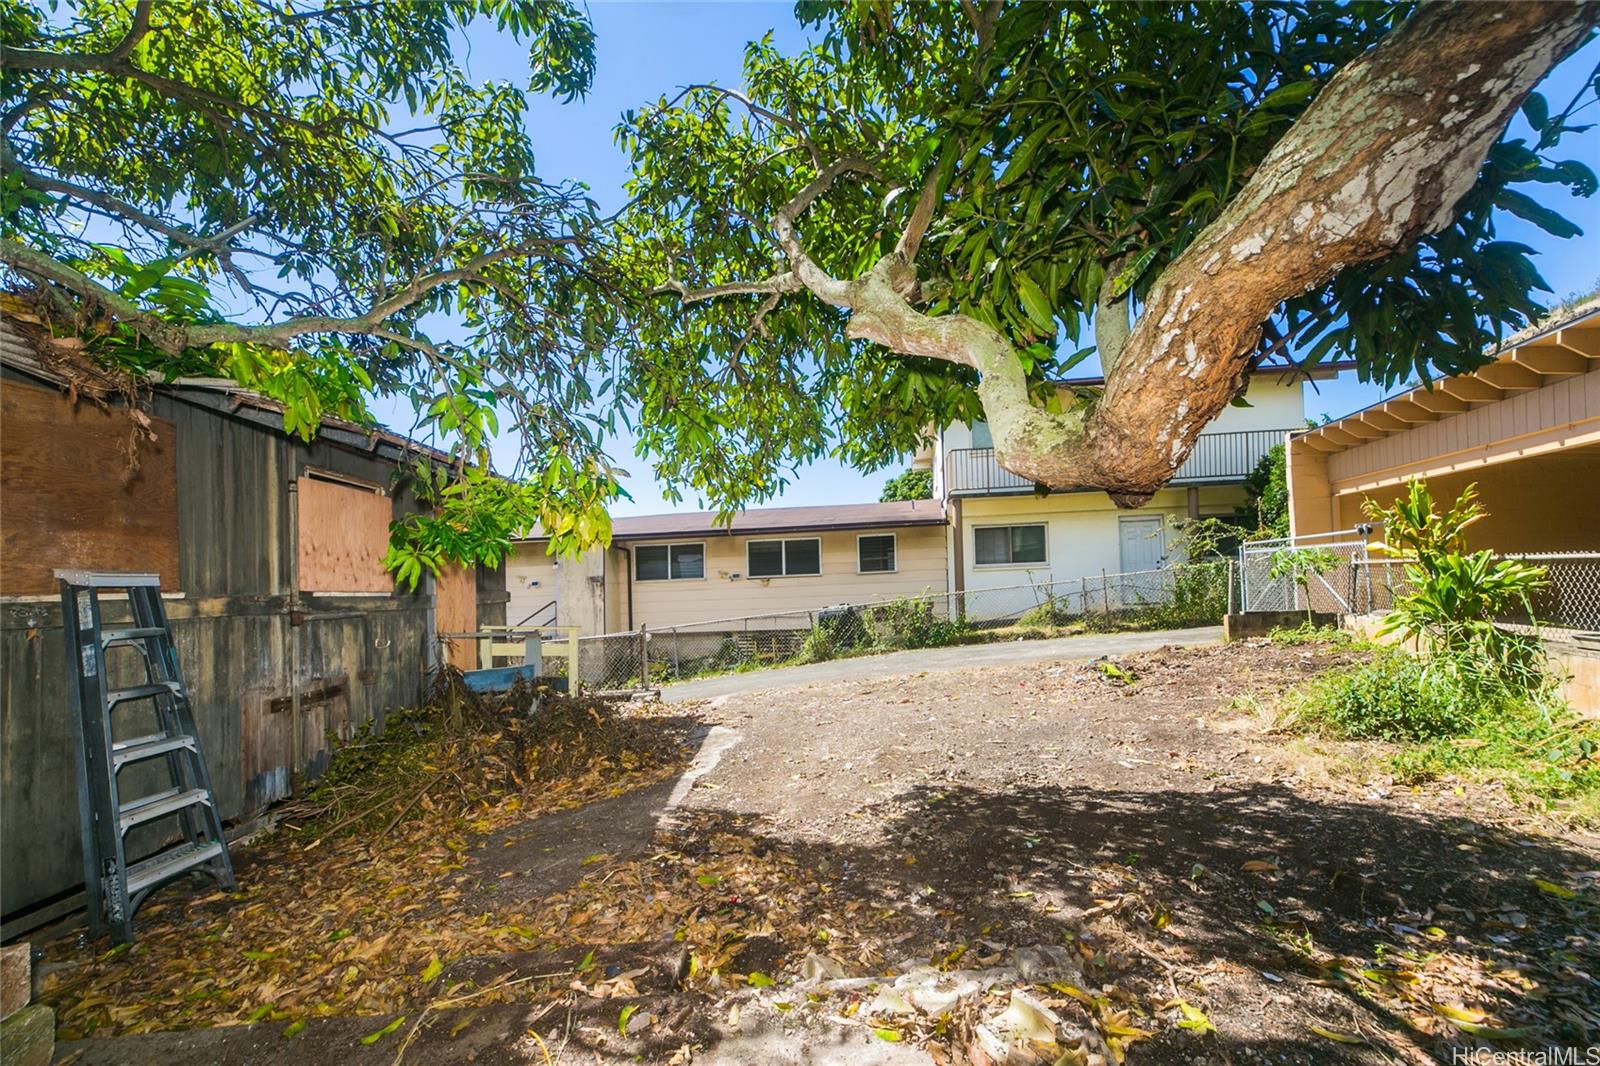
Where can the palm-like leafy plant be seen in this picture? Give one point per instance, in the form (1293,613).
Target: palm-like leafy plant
(1457,594)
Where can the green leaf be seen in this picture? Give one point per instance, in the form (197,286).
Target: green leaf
(1035,303)
(373,1038)
(756,979)
(1536,110)
(1129,275)
(622,1018)
(294,1028)
(433,969)
(1024,154)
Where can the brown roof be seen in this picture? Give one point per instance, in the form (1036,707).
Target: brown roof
(777,520)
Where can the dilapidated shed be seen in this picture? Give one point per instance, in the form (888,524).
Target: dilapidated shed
(270,552)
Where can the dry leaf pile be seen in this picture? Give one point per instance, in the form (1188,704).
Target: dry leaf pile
(353,905)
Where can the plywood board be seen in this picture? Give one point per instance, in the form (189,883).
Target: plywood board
(456,611)
(70,497)
(344,533)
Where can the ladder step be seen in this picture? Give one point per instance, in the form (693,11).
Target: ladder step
(149,808)
(148,748)
(170,863)
(109,637)
(139,692)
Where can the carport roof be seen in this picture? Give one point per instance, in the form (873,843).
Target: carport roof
(1562,345)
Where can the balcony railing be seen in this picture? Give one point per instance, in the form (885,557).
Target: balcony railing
(1216,458)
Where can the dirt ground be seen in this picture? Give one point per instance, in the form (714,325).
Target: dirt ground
(1123,843)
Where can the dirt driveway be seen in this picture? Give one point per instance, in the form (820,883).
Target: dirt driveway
(1118,840)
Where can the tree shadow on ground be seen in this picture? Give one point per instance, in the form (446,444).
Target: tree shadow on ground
(1274,909)
(1359,916)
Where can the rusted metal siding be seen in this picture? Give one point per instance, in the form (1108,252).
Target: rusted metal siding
(360,656)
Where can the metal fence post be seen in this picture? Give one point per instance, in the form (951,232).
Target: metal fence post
(1230,587)
(1105,590)
(644,657)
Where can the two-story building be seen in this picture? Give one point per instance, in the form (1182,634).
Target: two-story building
(1004,531)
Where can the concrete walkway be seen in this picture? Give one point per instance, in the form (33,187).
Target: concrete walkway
(1088,646)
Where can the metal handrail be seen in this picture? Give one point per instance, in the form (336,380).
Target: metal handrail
(1226,456)
(540,610)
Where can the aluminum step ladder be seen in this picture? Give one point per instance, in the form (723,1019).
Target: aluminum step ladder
(111,741)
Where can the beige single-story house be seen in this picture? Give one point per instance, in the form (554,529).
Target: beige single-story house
(676,569)
(1525,428)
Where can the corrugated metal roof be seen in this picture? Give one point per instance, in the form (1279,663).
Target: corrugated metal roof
(20,352)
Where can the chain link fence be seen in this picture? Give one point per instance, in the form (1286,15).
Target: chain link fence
(1182,595)
(1570,600)
(1334,586)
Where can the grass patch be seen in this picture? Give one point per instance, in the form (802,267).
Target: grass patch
(1307,634)
(1450,723)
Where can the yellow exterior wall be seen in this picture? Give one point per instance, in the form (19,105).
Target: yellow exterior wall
(919,559)
(1544,503)
(1312,506)
(1084,530)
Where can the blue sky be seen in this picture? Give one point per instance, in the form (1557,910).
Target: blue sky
(647,49)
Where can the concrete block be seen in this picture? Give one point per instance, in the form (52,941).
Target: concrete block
(16,979)
(28,1037)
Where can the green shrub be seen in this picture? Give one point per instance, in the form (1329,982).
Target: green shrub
(1458,595)
(909,623)
(1392,697)
(818,646)
(1050,614)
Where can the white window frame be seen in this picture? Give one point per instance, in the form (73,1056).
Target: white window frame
(669,545)
(1010,565)
(895,537)
(785,541)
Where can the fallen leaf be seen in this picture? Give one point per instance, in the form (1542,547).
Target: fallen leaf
(1335,1035)
(373,1038)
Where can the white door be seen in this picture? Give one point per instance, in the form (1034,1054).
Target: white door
(1141,544)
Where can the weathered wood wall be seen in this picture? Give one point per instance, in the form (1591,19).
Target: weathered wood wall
(360,656)
(74,494)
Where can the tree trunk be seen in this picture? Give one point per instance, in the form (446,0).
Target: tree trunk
(1381,158)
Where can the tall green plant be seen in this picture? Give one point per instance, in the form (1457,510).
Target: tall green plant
(1458,594)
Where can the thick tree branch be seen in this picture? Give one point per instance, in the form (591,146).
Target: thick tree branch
(38,59)
(1111,325)
(1380,159)
(175,337)
(921,217)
